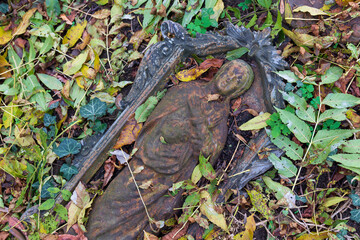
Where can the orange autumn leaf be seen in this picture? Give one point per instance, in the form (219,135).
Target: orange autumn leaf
(129,133)
(192,74)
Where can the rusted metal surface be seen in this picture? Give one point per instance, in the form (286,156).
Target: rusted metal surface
(189,125)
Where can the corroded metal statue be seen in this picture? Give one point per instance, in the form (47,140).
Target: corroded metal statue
(189,125)
(185,124)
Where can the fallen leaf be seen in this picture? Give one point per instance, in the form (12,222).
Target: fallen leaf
(193,73)
(129,133)
(138,38)
(101,14)
(236,104)
(311,10)
(208,209)
(353,117)
(5,36)
(259,203)
(75,65)
(248,233)
(21,28)
(146,185)
(109,168)
(288,13)
(66,19)
(122,156)
(301,39)
(177,232)
(314,236)
(149,236)
(89,73)
(74,33)
(255,123)
(213,97)
(86,37)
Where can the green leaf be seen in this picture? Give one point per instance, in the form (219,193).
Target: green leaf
(49,120)
(66,147)
(354,51)
(341,100)
(355,215)
(192,8)
(284,166)
(48,44)
(331,75)
(257,122)
(189,206)
(196,174)
(53,190)
(206,168)
(53,7)
(61,211)
(68,171)
(278,25)
(47,204)
(4,8)
(292,150)
(355,170)
(66,194)
(237,53)
(31,84)
(280,191)
(331,201)
(259,203)
(350,160)
(50,81)
(298,127)
(300,105)
(325,138)
(355,199)
(75,65)
(288,75)
(252,21)
(335,114)
(351,146)
(264,3)
(94,109)
(145,109)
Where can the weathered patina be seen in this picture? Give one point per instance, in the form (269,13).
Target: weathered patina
(189,124)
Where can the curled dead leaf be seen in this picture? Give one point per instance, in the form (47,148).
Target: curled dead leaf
(129,133)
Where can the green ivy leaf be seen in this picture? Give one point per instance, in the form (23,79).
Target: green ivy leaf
(49,120)
(298,127)
(331,75)
(68,171)
(47,204)
(355,199)
(355,215)
(206,168)
(284,166)
(66,147)
(341,100)
(94,109)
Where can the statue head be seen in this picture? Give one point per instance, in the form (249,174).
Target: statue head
(233,78)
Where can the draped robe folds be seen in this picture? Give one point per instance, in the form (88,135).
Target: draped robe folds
(182,125)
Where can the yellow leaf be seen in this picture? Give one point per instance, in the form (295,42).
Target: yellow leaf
(74,33)
(3,62)
(13,167)
(301,39)
(314,236)
(96,62)
(259,203)
(190,74)
(10,113)
(288,13)
(73,215)
(208,209)
(75,65)
(331,201)
(311,10)
(149,236)
(196,175)
(248,233)
(23,137)
(218,8)
(258,122)
(66,89)
(24,22)
(88,72)
(5,36)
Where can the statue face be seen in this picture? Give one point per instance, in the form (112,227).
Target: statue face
(234,78)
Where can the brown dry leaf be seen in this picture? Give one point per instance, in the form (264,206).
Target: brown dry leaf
(5,36)
(4,73)
(102,14)
(343,3)
(252,112)
(66,89)
(171,235)
(138,169)
(146,185)
(236,104)
(85,41)
(66,19)
(192,74)
(149,236)
(74,33)
(109,168)
(241,138)
(24,22)
(248,233)
(138,38)
(129,133)
(213,97)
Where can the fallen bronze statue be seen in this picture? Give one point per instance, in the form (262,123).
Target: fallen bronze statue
(185,124)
